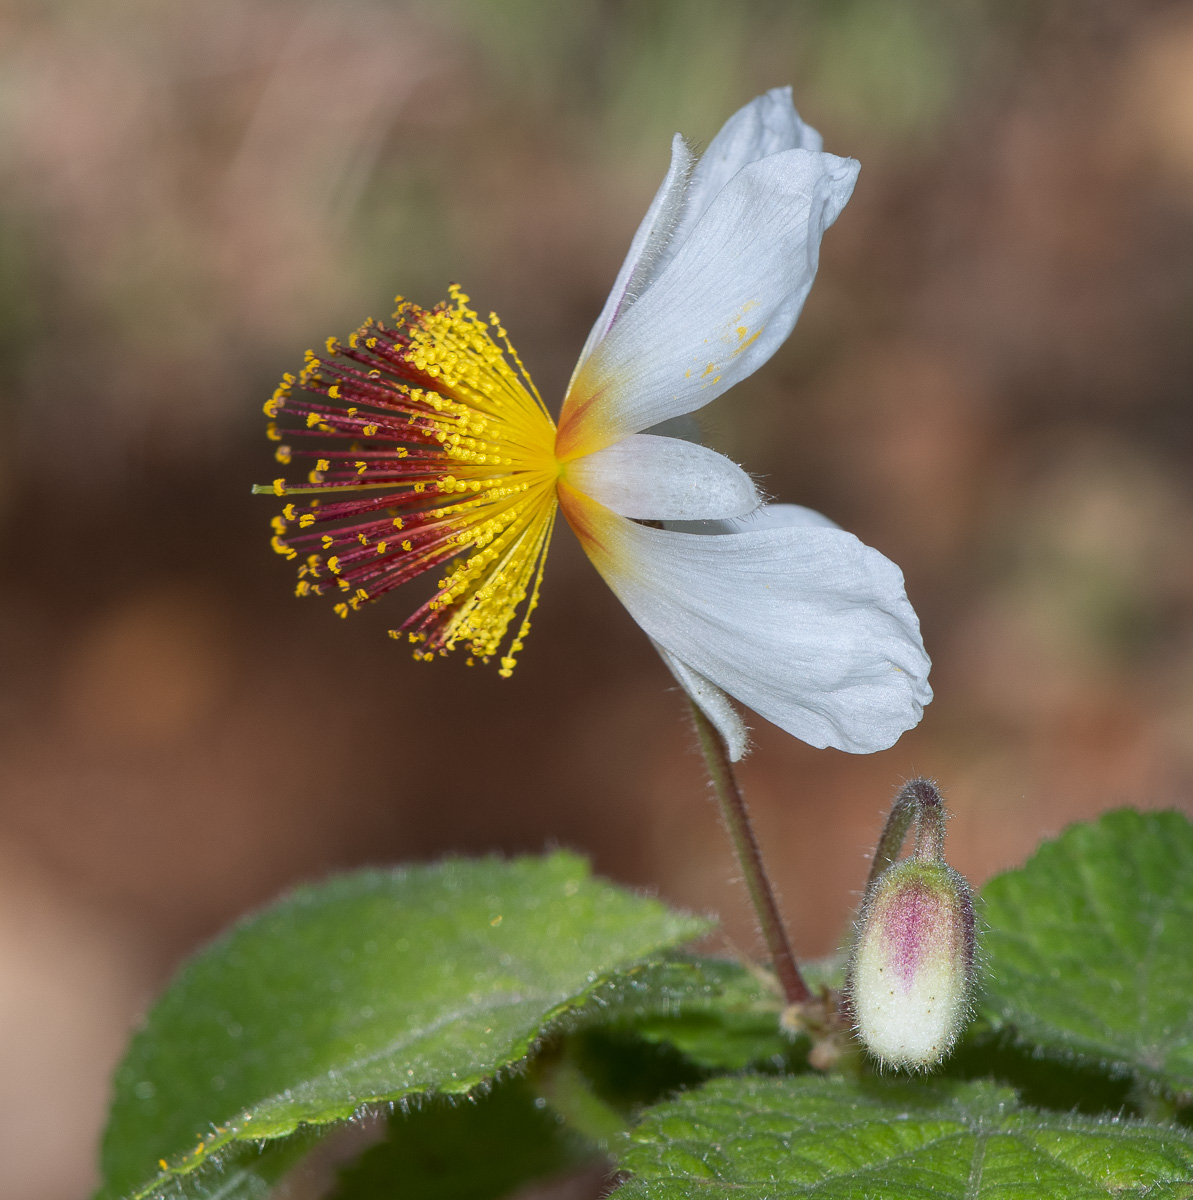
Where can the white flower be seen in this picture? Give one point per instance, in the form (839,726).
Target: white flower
(462,467)
(781,609)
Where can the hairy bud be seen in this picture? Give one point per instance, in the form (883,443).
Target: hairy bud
(912,968)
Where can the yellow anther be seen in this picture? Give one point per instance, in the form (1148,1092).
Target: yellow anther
(381,547)
(288,512)
(277,525)
(271,432)
(397,522)
(306,520)
(315,476)
(370,430)
(407,545)
(333,564)
(270,407)
(326,540)
(279,487)
(334,391)
(282,454)
(361,467)
(313,419)
(302,589)
(333,347)
(323,465)
(361,595)
(341,609)
(279,547)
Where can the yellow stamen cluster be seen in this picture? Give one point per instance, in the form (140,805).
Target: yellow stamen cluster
(474,429)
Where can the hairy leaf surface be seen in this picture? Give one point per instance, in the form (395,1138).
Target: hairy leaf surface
(1088,947)
(369,988)
(767,1138)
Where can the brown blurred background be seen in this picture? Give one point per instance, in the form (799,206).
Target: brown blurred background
(991,384)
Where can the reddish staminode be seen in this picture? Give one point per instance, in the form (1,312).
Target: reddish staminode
(429,449)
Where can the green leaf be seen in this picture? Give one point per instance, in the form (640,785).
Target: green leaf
(764,1138)
(1088,948)
(725,1017)
(716,1012)
(464,1149)
(363,990)
(1040,1082)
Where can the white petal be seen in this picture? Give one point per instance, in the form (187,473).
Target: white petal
(646,250)
(719,309)
(662,478)
(712,702)
(767,125)
(768,516)
(807,626)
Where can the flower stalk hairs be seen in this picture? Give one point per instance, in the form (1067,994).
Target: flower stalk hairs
(427,448)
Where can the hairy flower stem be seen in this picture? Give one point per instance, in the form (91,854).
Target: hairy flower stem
(737,818)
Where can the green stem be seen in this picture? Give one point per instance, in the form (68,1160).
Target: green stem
(737,819)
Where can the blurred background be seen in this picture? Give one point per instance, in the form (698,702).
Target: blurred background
(990,383)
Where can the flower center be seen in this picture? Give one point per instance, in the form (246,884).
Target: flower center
(435,451)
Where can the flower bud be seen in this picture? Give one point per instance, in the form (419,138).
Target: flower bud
(912,968)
